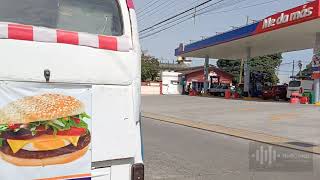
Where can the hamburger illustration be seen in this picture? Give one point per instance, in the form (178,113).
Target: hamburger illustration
(43,130)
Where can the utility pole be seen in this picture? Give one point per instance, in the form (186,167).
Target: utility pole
(293,69)
(194,16)
(300,68)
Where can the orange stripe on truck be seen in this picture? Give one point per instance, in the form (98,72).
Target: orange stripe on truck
(67,177)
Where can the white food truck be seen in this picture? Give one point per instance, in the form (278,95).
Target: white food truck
(70,90)
(300,86)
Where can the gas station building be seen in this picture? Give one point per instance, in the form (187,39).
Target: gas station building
(291,30)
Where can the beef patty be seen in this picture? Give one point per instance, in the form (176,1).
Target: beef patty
(82,143)
(23,134)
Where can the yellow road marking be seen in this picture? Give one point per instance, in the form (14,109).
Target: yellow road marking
(247,109)
(286,116)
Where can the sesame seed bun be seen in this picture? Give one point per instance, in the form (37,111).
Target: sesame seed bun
(63,159)
(40,108)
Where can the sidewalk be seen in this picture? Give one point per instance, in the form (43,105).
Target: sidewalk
(293,122)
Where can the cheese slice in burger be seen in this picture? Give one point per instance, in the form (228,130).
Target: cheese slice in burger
(43,143)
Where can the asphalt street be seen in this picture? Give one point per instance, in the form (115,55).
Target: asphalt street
(273,118)
(175,152)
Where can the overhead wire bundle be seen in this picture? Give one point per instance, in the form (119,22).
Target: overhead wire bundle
(203,8)
(166,12)
(163,5)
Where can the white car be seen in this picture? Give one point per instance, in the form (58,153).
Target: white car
(300,86)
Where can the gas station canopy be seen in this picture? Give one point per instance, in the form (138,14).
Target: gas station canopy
(291,30)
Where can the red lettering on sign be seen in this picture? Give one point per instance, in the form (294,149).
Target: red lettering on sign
(290,17)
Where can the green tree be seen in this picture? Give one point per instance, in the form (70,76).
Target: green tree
(307,72)
(267,65)
(264,64)
(149,67)
(230,66)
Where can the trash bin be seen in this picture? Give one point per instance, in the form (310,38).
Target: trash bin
(236,95)
(227,94)
(295,98)
(304,100)
(310,97)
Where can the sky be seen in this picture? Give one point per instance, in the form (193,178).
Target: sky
(220,19)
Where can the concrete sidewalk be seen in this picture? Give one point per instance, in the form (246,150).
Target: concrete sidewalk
(292,122)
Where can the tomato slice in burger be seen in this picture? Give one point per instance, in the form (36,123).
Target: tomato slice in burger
(76,120)
(73,131)
(13,126)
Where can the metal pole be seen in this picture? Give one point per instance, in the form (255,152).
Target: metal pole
(206,74)
(248,19)
(247,72)
(293,70)
(300,68)
(241,71)
(316,50)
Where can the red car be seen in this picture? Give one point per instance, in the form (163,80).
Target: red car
(275,92)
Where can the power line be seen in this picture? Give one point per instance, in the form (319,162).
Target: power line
(171,7)
(282,64)
(179,14)
(289,63)
(156,9)
(243,7)
(192,15)
(148,35)
(148,5)
(167,23)
(185,18)
(176,3)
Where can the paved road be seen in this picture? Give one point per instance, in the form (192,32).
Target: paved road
(273,118)
(179,153)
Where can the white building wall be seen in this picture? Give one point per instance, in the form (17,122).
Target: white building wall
(170,83)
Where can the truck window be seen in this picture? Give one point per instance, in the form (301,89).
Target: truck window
(295,84)
(94,16)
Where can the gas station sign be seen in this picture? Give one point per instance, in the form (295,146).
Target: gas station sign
(290,17)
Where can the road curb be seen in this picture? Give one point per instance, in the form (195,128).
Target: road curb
(239,133)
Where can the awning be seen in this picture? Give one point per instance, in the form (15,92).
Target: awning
(291,30)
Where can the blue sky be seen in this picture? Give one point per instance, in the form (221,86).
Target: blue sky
(162,45)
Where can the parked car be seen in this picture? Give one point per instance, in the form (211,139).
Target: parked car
(218,89)
(275,92)
(300,86)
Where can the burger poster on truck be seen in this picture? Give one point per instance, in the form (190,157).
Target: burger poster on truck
(45,131)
